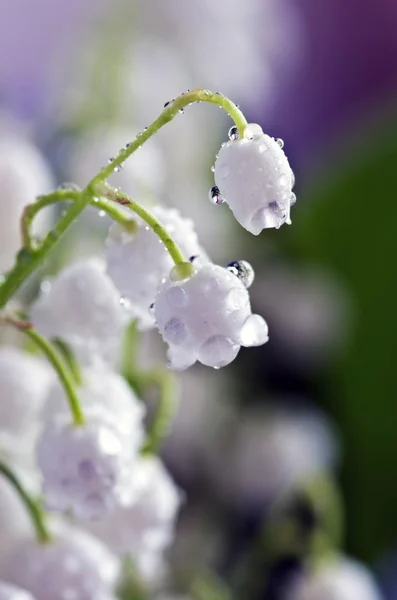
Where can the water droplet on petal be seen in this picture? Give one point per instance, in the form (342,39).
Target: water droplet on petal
(280,142)
(102,213)
(214,196)
(243,270)
(213,169)
(233,133)
(237,299)
(152,308)
(263,148)
(254,331)
(122,300)
(292,199)
(273,215)
(252,130)
(218,351)
(176,297)
(292,178)
(175,331)
(45,286)
(283,181)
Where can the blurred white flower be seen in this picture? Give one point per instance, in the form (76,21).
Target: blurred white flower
(24,174)
(337,579)
(9,592)
(307,311)
(81,306)
(145,528)
(25,381)
(269,450)
(73,565)
(142,174)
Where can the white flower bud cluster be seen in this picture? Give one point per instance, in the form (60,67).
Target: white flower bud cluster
(254,178)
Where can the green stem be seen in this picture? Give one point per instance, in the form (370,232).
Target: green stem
(165,410)
(28,260)
(169,112)
(31,211)
(157,227)
(70,359)
(33,508)
(63,373)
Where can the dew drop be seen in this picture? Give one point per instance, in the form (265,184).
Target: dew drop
(283,181)
(110,160)
(292,199)
(68,185)
(175,331)
(182,111)
(280,142)
(252,130)
(215,197)
(193,258)
(213,169)
(243,270)
(254,331)
(102,213)
(45,286)
(233,133)
(152,308)
(218,351)
(176,297)
(167,103)
(122,300)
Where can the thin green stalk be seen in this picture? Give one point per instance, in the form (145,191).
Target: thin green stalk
(164,412)
(157,227)
(31,211)
(170,111)
(63,373)
(52,355)
(32,506)
(28,260)
(70,359)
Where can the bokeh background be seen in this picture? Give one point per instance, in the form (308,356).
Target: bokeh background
(79,79)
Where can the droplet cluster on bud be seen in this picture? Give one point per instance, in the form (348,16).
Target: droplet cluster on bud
(206,318)
(254,177)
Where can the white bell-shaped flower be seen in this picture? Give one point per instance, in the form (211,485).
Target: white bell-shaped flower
(24,174)
(73,565)
(145,528)
(86,469)
(207,318)
(81,306)
(106,395)
(25,380)
(10,592)
(254,178)
(136,262)
(340,578)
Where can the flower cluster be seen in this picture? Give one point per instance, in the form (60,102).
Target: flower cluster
(78,436)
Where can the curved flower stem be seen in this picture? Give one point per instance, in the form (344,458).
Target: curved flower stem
(49,350)
(159,229)
(32,506)
(70,359)
(166,383)
(170,111)
(28,260)
(31,211)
